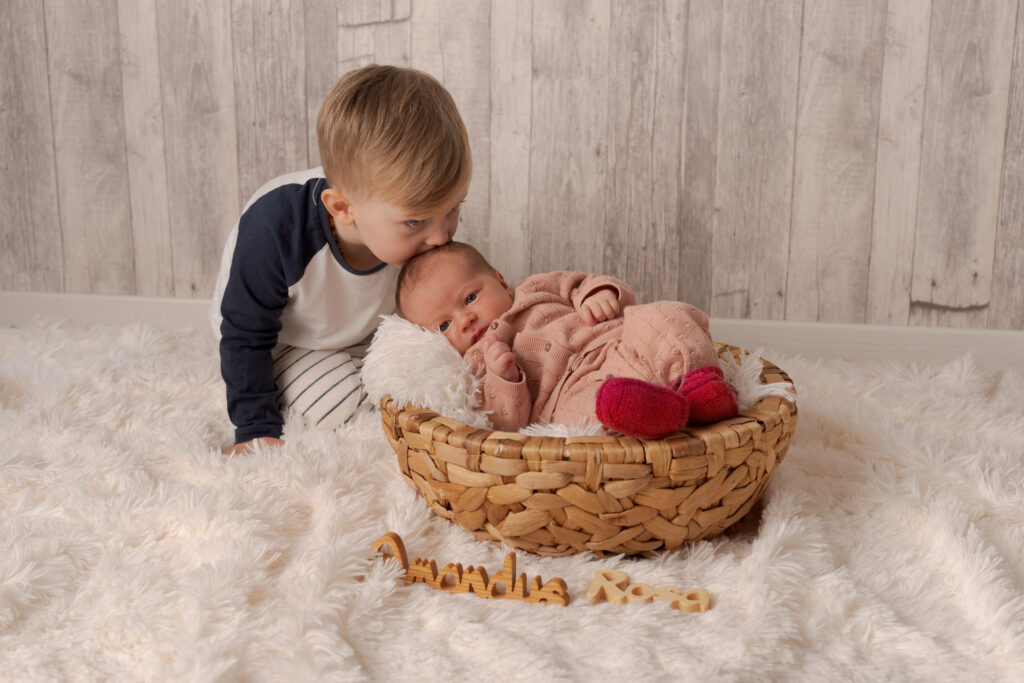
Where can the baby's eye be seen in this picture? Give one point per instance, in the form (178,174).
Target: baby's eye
(443,327)
(414,222)
(470,298)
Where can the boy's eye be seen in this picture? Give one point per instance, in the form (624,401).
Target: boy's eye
(414,222)
(470,298)
(443,327)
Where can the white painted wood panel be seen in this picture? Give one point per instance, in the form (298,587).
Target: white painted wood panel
(659,274)
(268,39)
(31,255)
(700,150)
(969,61)
(322,54)
(511,29)
(362,42)
(197,87)
(659,140)
(898,163)
(146,158)
(837,128)
(451,41)
(645,120)
(87,113)
(1007,311)
(568,189)
(756,132)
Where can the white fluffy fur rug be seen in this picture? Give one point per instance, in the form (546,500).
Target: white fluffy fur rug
(891,546)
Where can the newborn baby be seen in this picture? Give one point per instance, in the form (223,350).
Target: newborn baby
(566,347)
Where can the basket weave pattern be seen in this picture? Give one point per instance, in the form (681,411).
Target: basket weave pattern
(557,496)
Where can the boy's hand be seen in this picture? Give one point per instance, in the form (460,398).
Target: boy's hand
(499,359)
(250,446)
(600,306)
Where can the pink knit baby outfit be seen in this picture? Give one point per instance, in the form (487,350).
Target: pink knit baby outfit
(562,361)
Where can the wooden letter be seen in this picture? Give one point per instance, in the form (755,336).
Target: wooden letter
(422,570)
(694,601)
(394,542)
(506,577)
(608,585)
(454,570)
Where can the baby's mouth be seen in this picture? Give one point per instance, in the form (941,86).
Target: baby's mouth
(478,334)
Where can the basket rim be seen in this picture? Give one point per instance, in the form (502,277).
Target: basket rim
(764,416)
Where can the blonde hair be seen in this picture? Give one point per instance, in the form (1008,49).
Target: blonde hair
(416,267)
(396,133)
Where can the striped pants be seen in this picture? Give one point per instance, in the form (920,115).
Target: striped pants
(323,387)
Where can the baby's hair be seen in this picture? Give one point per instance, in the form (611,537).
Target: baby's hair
(416,267)
(395,132)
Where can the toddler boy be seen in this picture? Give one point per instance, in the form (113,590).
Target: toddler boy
(311,263)
(566,346)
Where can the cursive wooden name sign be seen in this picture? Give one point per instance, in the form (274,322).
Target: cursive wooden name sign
(615,587)
(454,579)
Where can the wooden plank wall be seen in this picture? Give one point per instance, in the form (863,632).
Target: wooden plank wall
(857,162)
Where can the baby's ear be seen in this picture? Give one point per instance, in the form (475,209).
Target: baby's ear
(501,279)
(338,205)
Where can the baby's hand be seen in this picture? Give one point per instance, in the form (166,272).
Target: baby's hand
(600,306)
(499,359)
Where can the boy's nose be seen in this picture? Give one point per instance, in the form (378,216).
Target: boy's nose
(438,235)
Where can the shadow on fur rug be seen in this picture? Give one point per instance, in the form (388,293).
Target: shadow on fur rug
(890,547)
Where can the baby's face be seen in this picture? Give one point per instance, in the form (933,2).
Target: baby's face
(457,300)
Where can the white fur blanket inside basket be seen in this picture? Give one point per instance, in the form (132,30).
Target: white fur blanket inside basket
(416,366)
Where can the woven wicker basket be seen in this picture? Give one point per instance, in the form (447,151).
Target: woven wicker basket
(558,496)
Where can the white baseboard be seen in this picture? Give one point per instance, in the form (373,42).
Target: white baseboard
(992,348)
(104,309)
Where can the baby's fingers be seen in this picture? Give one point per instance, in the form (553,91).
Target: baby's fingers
(587,315)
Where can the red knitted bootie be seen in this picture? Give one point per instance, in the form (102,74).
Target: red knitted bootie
(637,408)
(710,396)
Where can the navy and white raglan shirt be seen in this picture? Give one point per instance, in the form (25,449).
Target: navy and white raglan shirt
(283,280)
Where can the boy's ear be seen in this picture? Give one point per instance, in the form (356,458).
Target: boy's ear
(338,205)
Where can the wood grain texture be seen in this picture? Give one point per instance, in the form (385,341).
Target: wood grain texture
(756,131)
(645,120)
(87,112)
(268,39)
(969,62)
(322,52)
(452,42)
(700,150)
(898,161)
(568,202)
(31,256)
(758,158)
(361,42)
(199,122)
(510,130)
(1007,309)
(144,139)
(837,128)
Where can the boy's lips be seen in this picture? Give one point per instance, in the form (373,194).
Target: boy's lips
(478,334)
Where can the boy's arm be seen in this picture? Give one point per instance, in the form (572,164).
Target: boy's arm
(254,297)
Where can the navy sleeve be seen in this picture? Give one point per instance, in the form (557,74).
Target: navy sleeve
(270,254)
